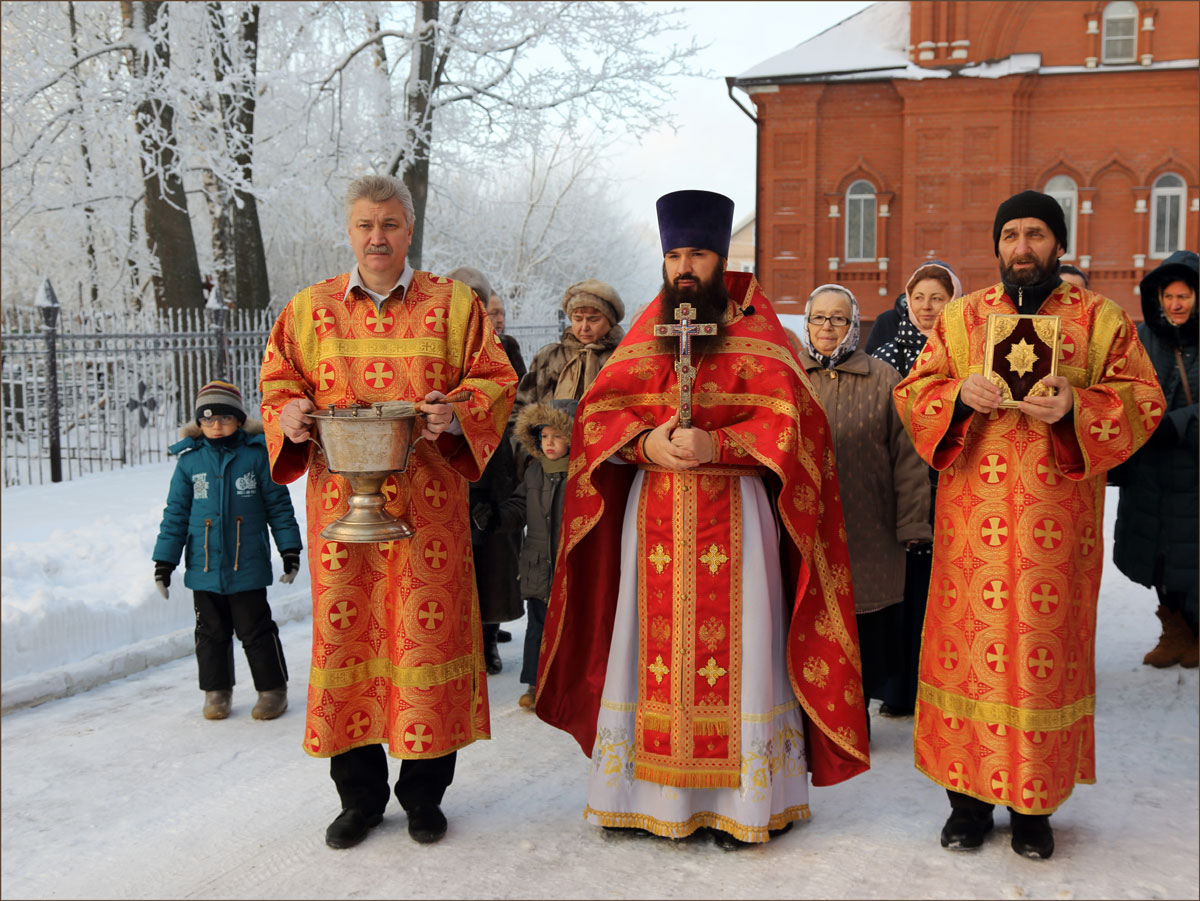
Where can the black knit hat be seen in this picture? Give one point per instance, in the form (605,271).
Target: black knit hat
(1031,205)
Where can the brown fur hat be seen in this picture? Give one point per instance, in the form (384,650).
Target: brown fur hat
(601,296)
(532,419)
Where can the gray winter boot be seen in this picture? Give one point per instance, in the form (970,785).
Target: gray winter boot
(216,704)
(270,704)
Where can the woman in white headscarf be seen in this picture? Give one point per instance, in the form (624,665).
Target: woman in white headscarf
(884,489)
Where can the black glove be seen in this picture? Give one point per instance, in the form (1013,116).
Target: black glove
(291,565)
(162,576)
(481,515)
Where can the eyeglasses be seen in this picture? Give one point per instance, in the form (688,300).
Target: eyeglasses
(835,321)
(223,419)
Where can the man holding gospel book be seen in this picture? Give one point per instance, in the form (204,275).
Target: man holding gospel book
(1006,694)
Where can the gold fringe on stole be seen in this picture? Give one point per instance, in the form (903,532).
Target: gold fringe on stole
(710,727)
(658,722)
(662,775)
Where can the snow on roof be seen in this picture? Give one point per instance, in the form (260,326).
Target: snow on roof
(874,38)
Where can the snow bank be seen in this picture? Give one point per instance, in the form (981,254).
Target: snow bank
(77,585)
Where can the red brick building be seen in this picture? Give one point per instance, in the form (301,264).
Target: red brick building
(892,137)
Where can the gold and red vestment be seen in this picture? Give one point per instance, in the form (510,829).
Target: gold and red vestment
(396,633)
(1006,692)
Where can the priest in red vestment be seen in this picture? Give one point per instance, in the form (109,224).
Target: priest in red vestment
(1007,688)
(700,642)
(397,639)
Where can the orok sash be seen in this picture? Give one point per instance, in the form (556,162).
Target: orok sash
(688,726)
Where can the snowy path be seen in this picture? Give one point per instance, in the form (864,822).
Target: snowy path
(125,791)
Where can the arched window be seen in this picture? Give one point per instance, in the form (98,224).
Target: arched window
(860,222)
(1119,43)
(1062,188)
(1167,215)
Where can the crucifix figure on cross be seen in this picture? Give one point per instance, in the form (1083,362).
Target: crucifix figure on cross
(687,327)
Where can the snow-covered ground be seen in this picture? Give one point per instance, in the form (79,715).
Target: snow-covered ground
(123,790)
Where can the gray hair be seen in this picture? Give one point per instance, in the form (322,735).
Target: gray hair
(378,188)
(475,280)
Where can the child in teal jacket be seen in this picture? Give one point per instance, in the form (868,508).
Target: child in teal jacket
(219,507)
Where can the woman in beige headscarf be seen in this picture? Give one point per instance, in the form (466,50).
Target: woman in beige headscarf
(563,371)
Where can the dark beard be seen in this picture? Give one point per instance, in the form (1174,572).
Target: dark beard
(1038,273)
(709,300)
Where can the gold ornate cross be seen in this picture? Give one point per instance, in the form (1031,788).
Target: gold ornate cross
(685,314)
(711,671)
(658,668)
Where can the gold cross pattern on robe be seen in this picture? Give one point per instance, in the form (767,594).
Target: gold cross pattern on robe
(658,668)
(684,314)
(715,558)
(660,558)
(711,671)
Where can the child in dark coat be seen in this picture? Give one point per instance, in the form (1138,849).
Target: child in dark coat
(220,504)
(545,431)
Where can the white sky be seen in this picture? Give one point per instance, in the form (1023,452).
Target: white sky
(714,146)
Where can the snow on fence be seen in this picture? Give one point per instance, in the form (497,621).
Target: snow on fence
(88,393)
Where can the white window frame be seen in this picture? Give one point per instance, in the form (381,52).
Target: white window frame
(1161,193)
(867,203)
(1123,11)
(1070,195)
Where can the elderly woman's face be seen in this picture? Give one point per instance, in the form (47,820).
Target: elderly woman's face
(589,325)
(926,300)
(1178,301)
(828,308)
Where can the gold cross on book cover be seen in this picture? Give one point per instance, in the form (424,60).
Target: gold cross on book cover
(1020,351)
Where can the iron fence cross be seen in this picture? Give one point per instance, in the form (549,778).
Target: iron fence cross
(687,327)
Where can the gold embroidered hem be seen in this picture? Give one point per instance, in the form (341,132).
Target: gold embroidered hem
(1006,714)
(700,820)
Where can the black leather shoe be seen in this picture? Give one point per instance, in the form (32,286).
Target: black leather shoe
(727,842)
(350,828)
(1032,836)
(965,829)
(426,823)
(503,635)
(630,830)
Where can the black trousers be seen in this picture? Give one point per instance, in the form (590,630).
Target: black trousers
(361,777)
(959,801)
(534,627)
(218,617)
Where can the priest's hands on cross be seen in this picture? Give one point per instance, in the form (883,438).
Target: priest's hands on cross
(1050,409)
(676,448)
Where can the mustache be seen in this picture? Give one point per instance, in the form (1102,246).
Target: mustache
(378,249)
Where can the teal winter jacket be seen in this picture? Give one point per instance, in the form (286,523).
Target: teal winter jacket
(220,504)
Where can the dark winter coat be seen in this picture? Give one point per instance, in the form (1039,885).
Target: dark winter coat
(906,342)
(1157,512)
(496,545)
(539,384)
(218,509)
(886,323)
(539,500)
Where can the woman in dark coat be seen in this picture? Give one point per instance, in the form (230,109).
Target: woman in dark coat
(1157,541)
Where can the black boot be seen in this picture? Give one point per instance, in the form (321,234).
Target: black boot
(350,828)
(491,653)
(1032,836)
(426,823)
(970,820)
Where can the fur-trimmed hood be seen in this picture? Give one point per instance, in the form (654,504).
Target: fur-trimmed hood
(192,429)
(557,413)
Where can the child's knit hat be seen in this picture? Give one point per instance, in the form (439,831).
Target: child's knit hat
(219,398)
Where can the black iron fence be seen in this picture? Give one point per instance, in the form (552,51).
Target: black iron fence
(81,394)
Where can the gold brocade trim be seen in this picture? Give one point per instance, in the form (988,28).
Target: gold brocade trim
(686,777)
(704,819)
(779,710)
(709,469)
(302,328)
(460,315)
(957,343)
(762,348)
(710,727)
(659,722)
(1053,720)
(381,667)
(1108,321)
(385,347)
